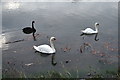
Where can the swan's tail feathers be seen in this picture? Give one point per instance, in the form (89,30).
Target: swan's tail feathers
(36,48)
(82,30)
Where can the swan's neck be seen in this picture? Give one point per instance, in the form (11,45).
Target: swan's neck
(33,25)
(52,45)
(96,28)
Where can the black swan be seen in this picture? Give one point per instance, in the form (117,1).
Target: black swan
(29,30)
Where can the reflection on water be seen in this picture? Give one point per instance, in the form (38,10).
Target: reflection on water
(53,62)
(64,21)
(85,46)
(96,38)
(12,5)
(42,54)
(3,46)
(2,40)
(34,37)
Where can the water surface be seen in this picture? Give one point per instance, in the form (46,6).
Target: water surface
(64,21)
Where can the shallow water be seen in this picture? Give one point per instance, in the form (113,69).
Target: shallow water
(64,21)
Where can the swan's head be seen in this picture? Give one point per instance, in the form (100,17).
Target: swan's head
(52,38)
(96,24)
(33,21)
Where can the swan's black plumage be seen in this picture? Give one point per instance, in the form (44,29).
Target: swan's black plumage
(29,30)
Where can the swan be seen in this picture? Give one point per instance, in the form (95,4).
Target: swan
(29,30)
(91,31)
(46,48)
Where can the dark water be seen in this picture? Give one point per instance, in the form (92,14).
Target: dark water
(64,21)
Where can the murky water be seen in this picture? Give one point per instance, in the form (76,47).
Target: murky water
(64,21)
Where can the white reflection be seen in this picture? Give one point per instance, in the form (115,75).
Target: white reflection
(13,5)
(2,42)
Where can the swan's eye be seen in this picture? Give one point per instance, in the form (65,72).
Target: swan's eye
(97,24)
(54,39)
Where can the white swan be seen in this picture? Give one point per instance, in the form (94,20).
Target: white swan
(46,48)
(91,31)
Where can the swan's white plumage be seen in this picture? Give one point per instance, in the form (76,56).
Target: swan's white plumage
(46,48)
(88,31)
(91,31)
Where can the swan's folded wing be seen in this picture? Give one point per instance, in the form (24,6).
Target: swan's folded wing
(88,30)
(44,49)
(36,48)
